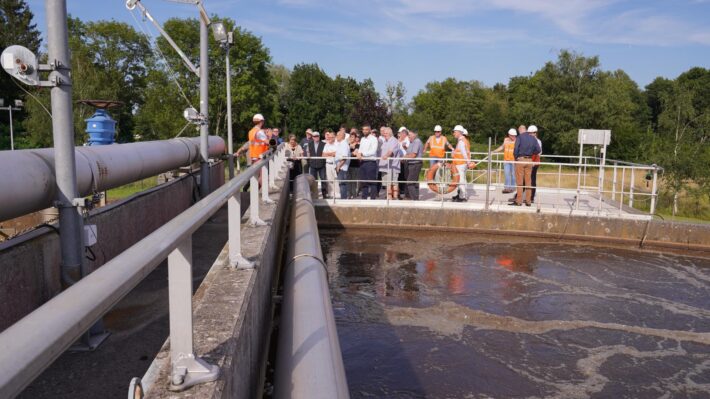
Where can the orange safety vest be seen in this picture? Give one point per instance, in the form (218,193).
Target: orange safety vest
(459,155)
(256,146)
(509,150)
(438,147)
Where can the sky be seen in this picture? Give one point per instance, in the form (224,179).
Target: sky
(419,41)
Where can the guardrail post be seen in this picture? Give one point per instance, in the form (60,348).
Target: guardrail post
(272,172)
(613,184)
(621,193)
(187,369)
(265,185)
(254,219)
(234,212)
(654,189)
(631,189)
(488,169)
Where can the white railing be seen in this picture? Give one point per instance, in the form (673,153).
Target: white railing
(33,343)
(620,188)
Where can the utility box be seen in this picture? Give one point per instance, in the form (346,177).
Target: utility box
(101,128)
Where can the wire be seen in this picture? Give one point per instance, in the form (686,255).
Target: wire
(183,129)
(165,60)
(14,80)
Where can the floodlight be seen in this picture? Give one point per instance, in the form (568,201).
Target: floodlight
(219,32)
(21,63)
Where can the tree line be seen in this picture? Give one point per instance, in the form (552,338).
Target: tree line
(665,122)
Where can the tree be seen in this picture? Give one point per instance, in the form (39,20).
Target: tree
(396,105)
(312,100)
(369,107)
(109,61)
(253,88)
(17,29)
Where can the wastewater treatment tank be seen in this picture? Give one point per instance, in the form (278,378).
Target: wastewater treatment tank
(446,315)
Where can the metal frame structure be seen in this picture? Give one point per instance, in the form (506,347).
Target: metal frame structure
(492,175)
(33,343)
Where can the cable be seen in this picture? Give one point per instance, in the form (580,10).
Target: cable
(14,80)
(183,129)
(165,60)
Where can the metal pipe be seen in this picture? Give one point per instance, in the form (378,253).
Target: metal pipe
(309,363)
(230,139)
(27,177)
(71,225)
(488,178)
(204,110)
(33,343)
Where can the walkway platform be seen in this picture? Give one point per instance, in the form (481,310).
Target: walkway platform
(549,201)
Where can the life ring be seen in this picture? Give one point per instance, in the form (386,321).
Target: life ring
(442,187)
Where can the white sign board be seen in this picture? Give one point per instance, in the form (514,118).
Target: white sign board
(594,137)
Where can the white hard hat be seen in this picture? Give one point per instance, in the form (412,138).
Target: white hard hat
(437,128)
(532,129)
(459,128)
(513,132)
(316,134)
(258,117)
(402,129)
(465,132)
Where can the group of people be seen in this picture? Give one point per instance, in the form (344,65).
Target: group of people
(360,163)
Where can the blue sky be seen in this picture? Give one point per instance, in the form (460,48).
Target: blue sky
(418,41)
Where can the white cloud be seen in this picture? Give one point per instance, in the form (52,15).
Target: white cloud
(414,21)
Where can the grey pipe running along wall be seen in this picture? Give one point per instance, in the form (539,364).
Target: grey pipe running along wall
(309,363)
(27,177)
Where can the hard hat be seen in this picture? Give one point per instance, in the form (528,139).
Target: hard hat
(465,132)
(402,129)
(513,132)
(437,128)
(459,128)
(532,129)
(258,117)
(316,134)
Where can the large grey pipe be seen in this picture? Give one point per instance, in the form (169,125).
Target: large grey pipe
(27,177)
(309,363)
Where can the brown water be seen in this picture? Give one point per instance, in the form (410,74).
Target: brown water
(453,316)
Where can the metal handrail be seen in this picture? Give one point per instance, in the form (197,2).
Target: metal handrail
(33,343)
(581,171)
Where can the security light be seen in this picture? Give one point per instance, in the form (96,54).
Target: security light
(219,32)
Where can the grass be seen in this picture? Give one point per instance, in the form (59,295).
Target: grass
(121,192)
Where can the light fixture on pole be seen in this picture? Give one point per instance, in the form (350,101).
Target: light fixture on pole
(226,39)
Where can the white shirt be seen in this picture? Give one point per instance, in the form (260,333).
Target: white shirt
(461,146)
(368,146)
(343,151)
(403,145)
(330,148)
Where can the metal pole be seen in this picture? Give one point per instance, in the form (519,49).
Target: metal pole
(230,140)
(579,174)
(234,212)
(488,179)
(12,134)
(187,369)
(254,219)
(602,172)
(621,194)
(654,188)
(71,225)
(631,188)
(204,109)
(613,184)
(265,185)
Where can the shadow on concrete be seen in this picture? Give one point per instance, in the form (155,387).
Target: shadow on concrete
(139,326)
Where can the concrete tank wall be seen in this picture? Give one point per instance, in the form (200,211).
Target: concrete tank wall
(29,264)
(649,234)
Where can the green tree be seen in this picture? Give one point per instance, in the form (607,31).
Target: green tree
(109,61)
(396,105)
(17,27)
(312,100)
(370,108)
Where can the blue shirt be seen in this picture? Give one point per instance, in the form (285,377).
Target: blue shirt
(525,146)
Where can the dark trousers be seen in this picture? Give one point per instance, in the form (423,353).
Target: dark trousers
(533,180)
(293,172)
(342,176)
(403,178)
(368,171)
(413,169)
(319,173)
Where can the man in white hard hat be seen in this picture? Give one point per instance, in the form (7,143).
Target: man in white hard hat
(507,149)
(525,147)
(536,162)
(437,145)
(258,143)
(462,161)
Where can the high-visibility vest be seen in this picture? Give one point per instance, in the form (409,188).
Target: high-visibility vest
(438,147)
(509,150)
(256,146)
(459,159)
